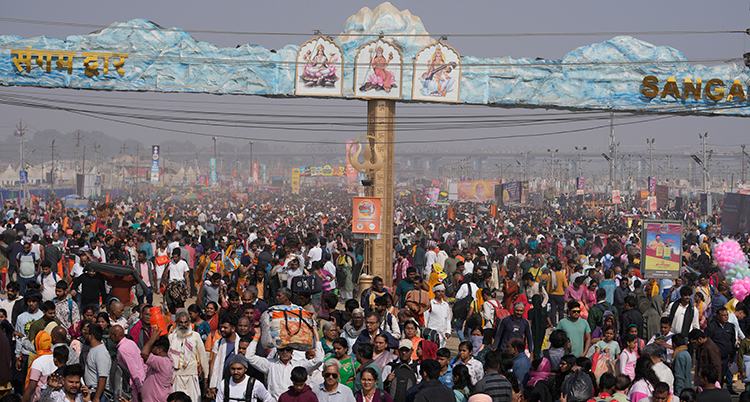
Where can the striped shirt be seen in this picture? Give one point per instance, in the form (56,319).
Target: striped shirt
(496,386)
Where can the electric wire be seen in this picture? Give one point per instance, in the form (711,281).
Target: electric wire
(354,34)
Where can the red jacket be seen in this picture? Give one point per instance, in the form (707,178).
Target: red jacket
(306,395)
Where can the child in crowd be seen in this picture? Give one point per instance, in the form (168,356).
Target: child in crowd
(608,345)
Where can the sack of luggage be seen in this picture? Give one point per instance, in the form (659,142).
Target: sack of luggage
(285,326)
(307,284)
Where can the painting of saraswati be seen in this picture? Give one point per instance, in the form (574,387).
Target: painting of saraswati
(437,73)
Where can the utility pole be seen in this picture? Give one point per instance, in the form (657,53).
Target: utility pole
(78,152)
(578,165)
(123,148)
(96,157)
(137,163)
(52,169)
(705,163)
(743,163)
(650,144)
(24,186)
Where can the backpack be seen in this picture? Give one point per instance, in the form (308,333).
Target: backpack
(462,306)
(431,335)
(404,377)
(500,312)
(248,390)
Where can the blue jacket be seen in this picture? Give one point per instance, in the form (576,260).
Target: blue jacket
(364,337)
(682,362)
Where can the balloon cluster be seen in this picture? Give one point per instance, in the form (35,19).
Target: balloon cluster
(730,259)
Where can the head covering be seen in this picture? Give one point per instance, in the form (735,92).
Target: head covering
(437,287)
(542,372)
(524,301)
(238,359)
(43,346)
(406,344)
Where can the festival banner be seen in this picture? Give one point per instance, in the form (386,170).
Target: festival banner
(255,172)
(580,183)
(366,215)
(511,192)
(154,164)
(351,174)
(651,184)
(295,180)
(662,242)
(616,197)
(651,203)
(477,191)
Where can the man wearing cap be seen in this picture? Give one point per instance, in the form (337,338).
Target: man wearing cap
(236,386)
(404,360)
(514,326)
(439,316)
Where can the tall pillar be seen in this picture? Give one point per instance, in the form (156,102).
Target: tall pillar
(380,116)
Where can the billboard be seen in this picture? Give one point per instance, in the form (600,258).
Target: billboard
(735,213)
(662,196)
(431,194)
(511,192)
(366,215)
(661,249)
(154,164)
(295,180)
(651,184)
(255,172)
(616,197)
(580,183)
(477,191)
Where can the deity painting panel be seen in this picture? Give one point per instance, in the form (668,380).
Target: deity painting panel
(378,71)
(320,67)
(437,74)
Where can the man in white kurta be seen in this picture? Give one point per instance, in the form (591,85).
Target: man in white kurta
(439,316)
(189,356)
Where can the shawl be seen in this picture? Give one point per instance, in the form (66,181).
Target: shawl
(538,322)
(43,345)
(541,374)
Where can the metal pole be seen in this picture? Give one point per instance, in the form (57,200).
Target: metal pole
(743,163)
(252,167)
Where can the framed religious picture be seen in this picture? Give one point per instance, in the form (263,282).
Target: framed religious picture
(319,70)
(437,74)
(378,71)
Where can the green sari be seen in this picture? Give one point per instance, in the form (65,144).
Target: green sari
(348,371)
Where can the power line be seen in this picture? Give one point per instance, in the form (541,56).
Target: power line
(400,35)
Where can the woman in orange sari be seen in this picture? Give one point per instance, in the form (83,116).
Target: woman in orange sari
(41,366)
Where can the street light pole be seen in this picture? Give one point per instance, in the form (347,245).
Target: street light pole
(650,144)
(252,167)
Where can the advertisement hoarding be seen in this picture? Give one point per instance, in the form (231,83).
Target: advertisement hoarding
(477,191)
(366,215)
(661,248)
(154,164)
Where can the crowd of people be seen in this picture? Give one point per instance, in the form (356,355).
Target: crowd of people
(144,300)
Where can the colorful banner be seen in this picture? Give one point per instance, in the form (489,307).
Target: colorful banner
(366,215)
(214,177)
(651,184)
(511,192)
(580,183)
(255,172)
(616,197)
(295,180)
(154,164)
(477,191)
(651,203)
(662,243)
(351,174)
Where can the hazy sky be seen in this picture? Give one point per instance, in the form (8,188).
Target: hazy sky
(438,17)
